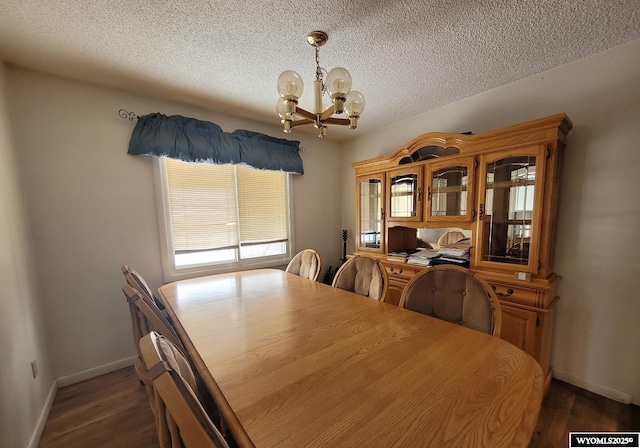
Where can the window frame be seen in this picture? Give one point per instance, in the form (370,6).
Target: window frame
(171,272)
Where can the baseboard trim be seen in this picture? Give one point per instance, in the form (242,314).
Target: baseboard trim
(596,388)
(44,414)
(94,372)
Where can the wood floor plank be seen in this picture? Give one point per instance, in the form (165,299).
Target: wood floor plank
(112,411)
(567,408)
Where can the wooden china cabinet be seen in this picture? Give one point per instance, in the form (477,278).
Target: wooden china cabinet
(503,187)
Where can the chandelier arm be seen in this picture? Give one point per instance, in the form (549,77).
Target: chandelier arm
(303,113)
(338,121)
(327,113)
(301,122)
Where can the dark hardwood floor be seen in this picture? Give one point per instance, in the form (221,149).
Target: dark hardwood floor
(568,408)
(112,411)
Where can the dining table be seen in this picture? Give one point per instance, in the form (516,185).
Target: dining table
(292,362)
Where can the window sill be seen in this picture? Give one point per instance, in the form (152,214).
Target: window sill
(200,271)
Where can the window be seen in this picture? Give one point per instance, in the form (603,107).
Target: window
(222,217)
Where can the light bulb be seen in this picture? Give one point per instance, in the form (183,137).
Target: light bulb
(281,108)
(285,117)
(354,104)
(290,85)
(338,82)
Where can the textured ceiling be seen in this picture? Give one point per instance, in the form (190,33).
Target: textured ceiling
(406,57)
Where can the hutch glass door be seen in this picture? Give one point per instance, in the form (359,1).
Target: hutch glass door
(450,190)
(371,212)
(405,194)
(510,213)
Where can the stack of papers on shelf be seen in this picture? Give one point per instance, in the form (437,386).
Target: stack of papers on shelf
(423,257)
(444,255)
(454,255)
(400,255)
(455,252)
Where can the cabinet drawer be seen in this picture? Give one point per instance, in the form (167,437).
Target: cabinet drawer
(401,273)
(517,294)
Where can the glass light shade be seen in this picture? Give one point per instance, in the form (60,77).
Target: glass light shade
(290,84)
(338,81)
(354,104)
(281,108)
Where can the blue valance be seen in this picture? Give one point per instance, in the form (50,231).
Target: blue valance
(194,140)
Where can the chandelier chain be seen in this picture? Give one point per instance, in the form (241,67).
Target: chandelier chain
(319,69)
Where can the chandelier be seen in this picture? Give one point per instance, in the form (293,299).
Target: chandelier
(337,85)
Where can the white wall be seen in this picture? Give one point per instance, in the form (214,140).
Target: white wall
(22,335)
(92,207)
(597,336)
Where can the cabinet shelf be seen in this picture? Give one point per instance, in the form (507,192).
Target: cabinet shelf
(455,189)
(509,184)
(526,221)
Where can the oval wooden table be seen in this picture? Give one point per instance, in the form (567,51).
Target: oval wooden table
(296,363)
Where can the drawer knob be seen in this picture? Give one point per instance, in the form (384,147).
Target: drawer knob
(503,294)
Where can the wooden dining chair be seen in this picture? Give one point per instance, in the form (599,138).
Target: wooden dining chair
(136,281)
(306,264)
(181,418)
(139,327)
(363,275)
(454,294)
(146,317)
(150,317)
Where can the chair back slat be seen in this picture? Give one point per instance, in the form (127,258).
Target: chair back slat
(151,317)
(136,281)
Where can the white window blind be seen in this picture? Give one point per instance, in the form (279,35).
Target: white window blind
(262,200)
(234,216)
(202,200)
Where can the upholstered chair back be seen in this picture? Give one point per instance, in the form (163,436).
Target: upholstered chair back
(363,275)
(454,294)
(450,237)
(306,264)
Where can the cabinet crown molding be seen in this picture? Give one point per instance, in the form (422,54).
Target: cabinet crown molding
(548,129)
